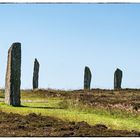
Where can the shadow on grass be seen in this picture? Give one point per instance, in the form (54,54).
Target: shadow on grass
(37,107)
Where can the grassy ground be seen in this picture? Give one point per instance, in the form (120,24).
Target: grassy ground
(72,109)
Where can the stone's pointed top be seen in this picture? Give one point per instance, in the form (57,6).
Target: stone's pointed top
(16,44)
(36,60)
(86,67)
(118,70)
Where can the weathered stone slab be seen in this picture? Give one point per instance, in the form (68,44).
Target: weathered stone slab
(118,79)
(35,74)
(13,74)
(87,78)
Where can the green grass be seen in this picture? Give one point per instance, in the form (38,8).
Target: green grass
(71,110)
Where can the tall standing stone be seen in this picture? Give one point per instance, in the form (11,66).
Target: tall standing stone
(13,74)
(118,79)
(87,78)
(35,74)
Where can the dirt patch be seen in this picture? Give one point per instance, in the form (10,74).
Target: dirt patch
(34,125)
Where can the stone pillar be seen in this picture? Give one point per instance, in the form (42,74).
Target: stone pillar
(35,74)
(118,79)
(87,78)
(13,74)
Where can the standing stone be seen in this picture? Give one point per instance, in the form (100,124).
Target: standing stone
(87,78)
(13,74)
(35,74)
(117,79)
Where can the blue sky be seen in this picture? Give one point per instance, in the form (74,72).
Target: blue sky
(67,37)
